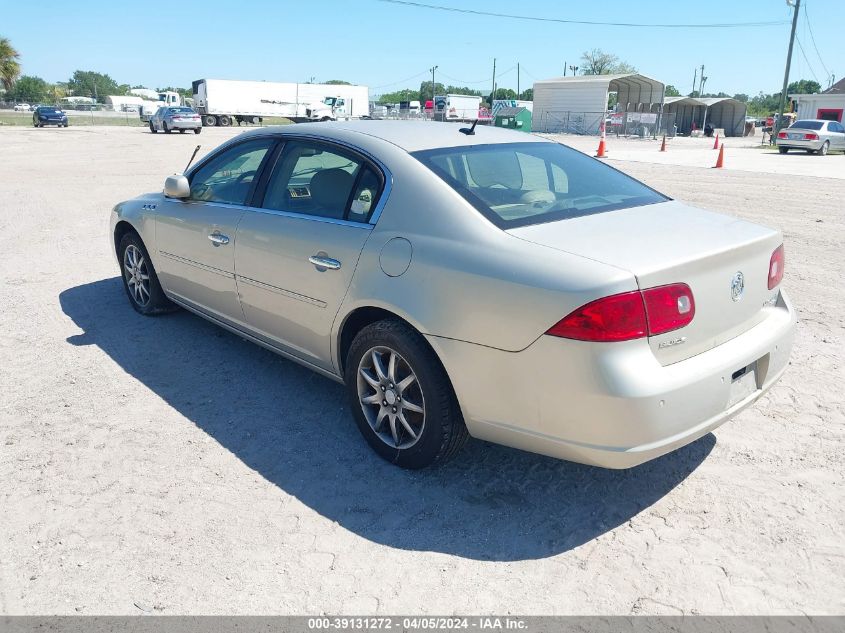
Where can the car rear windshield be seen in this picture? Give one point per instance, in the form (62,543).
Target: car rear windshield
(519,184)
(181,110)
(808,125)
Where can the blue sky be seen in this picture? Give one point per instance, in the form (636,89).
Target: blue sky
(388,46)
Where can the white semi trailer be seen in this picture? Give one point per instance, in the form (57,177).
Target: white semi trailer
(456,107)
(223,102)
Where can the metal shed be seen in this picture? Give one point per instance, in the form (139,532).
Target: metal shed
(514,119)
(722,112)
(579,104)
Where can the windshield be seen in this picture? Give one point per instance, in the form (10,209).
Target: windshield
(518,184)
(47,111)
(808,125)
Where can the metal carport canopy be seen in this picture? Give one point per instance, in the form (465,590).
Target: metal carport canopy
(588,93)
(736,119)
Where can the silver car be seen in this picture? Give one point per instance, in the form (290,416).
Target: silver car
(470,282)
(816,136)
(170,118)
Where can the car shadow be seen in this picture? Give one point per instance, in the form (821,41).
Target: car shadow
(293,427)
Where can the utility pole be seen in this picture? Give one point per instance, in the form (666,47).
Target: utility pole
(574,70)
(694,79)
(517,80)
(564,69)
(493,93)
(432,69)
(779,124)
(701,81)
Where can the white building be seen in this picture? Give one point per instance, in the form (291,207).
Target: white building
(829,104)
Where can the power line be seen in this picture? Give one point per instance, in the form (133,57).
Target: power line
(804,55)
(425,72)
(724,25)
(813,38)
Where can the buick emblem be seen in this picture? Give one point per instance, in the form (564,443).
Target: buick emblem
(737,286)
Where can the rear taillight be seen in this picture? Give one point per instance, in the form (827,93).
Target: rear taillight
(668,308)
(616,318)
(782,135)
(776,264)
(811,137)
(629,315)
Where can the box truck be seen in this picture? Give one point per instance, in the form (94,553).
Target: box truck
(223,102)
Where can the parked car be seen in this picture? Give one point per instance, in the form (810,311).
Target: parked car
(815,136)
(22,107)
(47,115)
(181,118)
(461,281)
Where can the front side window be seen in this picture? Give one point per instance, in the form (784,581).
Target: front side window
(322,181)
(228,177)
(518,184)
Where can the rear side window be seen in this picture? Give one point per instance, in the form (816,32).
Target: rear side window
(322,181)
(808,125)
(519,184)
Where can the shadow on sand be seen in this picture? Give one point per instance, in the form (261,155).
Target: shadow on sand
(293,427)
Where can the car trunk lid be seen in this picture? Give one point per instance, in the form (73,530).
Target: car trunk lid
(669,243)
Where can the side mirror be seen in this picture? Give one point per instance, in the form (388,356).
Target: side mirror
(177,187)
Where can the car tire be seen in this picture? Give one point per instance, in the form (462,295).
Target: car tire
(783,150)
(209,120)
(182,131)
(145,295)
(152,128)
(197,130)
(438,427)
(164,127)
(824,148)
(224,121)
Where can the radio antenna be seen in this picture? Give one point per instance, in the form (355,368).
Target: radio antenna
(193,156)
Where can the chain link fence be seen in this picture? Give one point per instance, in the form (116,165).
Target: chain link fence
(627,124)
(12,113)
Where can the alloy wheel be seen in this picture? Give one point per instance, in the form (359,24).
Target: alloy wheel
(137,275)
(391,397)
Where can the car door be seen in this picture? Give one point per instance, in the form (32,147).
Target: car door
(196,237)
(296,255)
(837,133)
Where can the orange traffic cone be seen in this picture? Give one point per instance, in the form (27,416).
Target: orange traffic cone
(663,144)
(601,152)
(720,162)
(716,142)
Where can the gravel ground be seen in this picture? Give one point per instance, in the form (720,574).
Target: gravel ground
(166,466)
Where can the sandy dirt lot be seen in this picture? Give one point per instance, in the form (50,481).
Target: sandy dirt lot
(166,466)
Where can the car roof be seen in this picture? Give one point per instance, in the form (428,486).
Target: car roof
(412,136)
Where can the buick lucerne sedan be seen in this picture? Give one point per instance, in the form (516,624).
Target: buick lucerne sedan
(486,283)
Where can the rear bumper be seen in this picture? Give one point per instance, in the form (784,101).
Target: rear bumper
(184,125)
(795,144)
(612,405)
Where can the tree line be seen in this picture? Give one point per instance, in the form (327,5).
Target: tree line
(88,83)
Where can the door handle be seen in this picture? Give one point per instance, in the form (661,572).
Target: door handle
(218,239)
(324,262)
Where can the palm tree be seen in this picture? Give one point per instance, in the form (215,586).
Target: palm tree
(10,69)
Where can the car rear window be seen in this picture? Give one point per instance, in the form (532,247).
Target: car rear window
(808,125)
(519,184)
